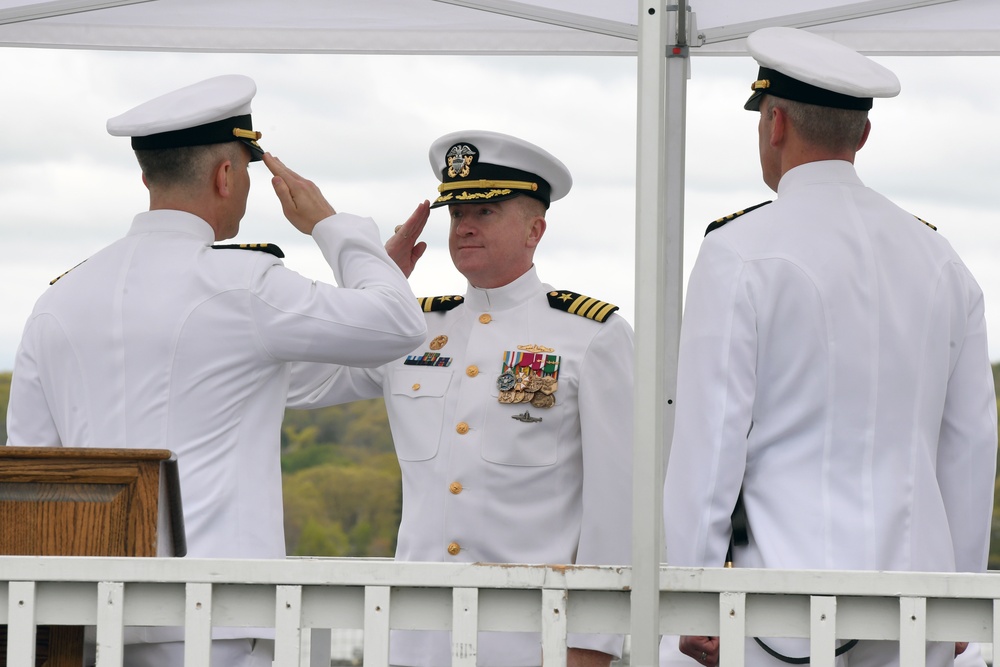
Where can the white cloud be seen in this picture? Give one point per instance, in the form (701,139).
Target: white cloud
(360,127)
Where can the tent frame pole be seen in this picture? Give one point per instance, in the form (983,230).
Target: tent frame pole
(812,18)
(556,17)
(663,70)
(44,10)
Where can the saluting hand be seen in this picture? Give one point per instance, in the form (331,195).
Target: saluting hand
(301,200)
(402,246)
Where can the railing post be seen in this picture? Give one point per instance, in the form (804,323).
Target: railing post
(732,629)
(318,643)
(21,623)
(554,627)
(110,624)
(822,630)
(288,625)
(996,630)
(464,627)
(376,626)
(197,625)
(913,632)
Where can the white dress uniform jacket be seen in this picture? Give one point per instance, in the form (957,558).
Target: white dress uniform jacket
(833,364)
(480,485)
(160,341)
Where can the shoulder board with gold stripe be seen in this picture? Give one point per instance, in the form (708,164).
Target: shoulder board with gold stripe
(578,304)
(433,304)
(263,247)
(926,223)
(732,216)
(56,279)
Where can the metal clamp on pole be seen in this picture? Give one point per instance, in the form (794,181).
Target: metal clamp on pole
(683,23)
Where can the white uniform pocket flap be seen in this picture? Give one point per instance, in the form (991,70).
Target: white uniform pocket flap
(420,382)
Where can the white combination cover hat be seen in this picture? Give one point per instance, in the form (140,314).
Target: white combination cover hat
(803,66)
(480,166)
(213,111)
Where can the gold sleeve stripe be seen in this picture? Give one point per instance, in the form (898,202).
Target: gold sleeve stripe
(732,216)
(603,312)
(56,279)
(584,306)
(591,308)
(430,304)
(581,305)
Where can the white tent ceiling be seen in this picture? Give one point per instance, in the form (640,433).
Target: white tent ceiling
(481,26)
(646,29)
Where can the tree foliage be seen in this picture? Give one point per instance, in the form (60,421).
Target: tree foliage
(347,509)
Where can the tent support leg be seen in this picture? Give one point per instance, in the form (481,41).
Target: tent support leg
(662,89)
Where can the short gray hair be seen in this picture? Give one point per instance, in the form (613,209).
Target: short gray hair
(532,207)
(834,129)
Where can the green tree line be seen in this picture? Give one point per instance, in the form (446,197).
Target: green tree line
(342,487)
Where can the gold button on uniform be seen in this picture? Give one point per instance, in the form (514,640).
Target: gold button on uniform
(455,487)
(462,428)
(485,318)
(472,371)
(453,548)
(416,386)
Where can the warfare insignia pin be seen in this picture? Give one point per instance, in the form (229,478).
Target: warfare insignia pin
(535,348)
(438,342)
(459,160)
(526,418)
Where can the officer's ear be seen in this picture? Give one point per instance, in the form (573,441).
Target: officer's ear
(864,135)
(222,178)
(779,125)
(536,231)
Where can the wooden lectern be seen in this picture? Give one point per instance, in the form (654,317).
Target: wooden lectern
(69,501)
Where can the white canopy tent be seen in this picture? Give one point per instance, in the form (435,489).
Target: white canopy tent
(315,26)
(607,27)
(662,36)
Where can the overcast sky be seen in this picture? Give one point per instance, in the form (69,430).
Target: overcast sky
(360,126)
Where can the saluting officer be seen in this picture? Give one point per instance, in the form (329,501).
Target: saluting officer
(163,340)
(513,421)
(833,364)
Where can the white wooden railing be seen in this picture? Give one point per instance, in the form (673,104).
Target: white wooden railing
(305,598)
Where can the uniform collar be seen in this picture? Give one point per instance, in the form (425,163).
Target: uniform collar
(177,222)
(812,173)
(508,296)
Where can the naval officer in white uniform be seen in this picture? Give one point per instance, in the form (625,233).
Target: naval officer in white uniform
(833,363)
(162,340)
(513,420)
